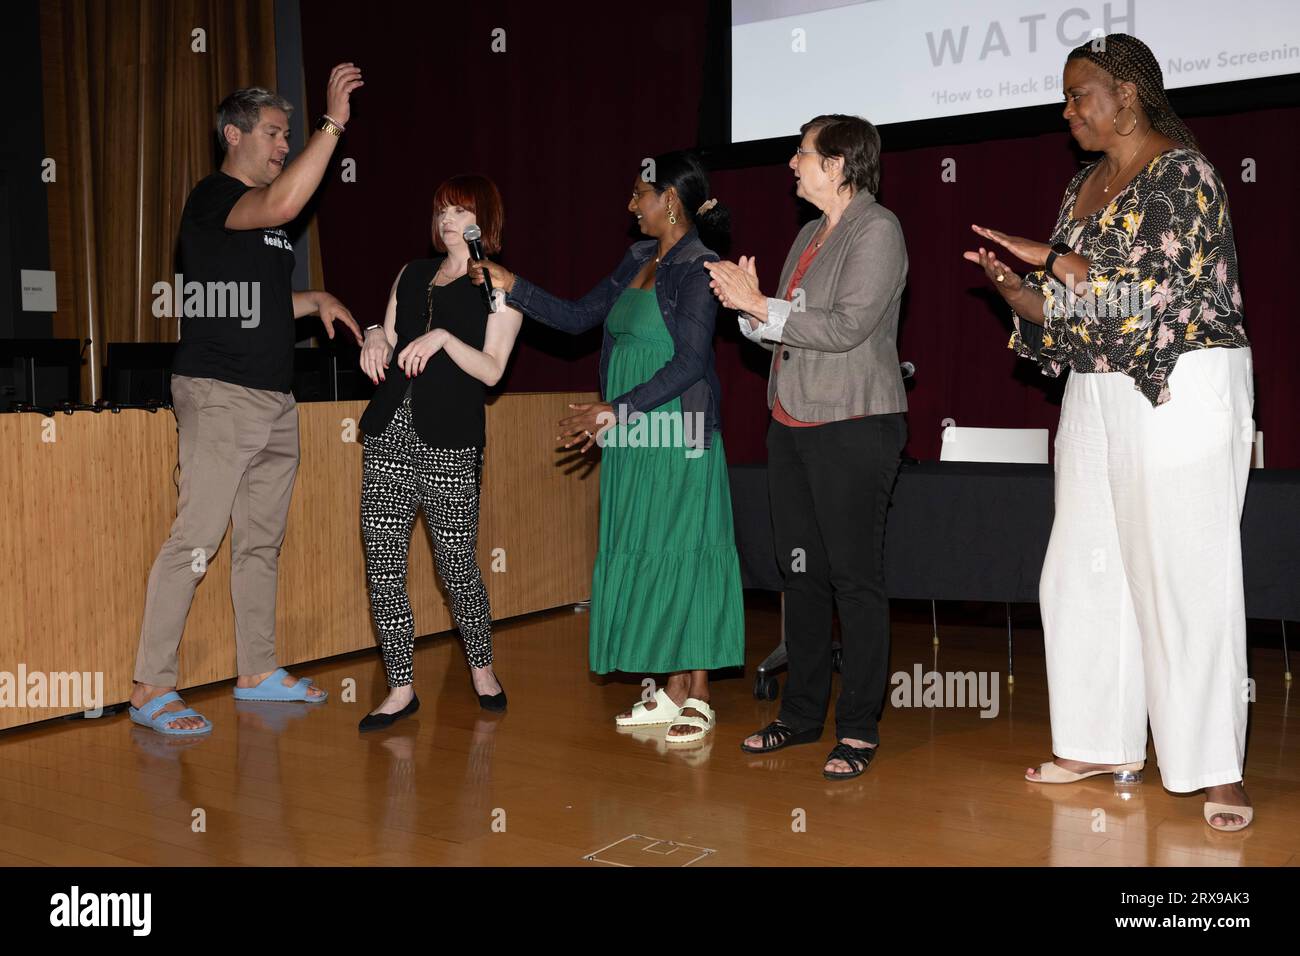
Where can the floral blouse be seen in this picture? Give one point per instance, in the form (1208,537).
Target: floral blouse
(1162,281)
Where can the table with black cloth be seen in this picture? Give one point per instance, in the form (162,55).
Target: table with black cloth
(960,531)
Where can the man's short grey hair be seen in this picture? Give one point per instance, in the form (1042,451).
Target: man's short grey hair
(242,107)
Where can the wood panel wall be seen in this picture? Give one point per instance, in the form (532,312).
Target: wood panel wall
(86,512)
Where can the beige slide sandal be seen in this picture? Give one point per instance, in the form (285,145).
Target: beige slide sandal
(1052,772)
(1246,813)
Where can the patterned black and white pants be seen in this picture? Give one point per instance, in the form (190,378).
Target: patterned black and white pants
(399,474)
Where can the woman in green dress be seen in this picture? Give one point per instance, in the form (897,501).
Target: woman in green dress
(666,595)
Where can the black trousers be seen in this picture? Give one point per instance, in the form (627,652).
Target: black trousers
(830,487)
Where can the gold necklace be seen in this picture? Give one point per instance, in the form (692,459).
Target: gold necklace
(1106,188)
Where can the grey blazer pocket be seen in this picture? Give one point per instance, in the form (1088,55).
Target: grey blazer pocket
(823,377)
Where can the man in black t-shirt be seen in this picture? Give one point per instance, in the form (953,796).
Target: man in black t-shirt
(230,383)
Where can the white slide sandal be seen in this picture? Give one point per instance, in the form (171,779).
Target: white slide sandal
(664,712)
(703,725)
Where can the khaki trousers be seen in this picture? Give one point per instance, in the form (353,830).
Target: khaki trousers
(238,460)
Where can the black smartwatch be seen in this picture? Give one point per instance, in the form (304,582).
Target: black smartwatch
(1057,249)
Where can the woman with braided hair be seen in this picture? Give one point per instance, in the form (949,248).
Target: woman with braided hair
(1136,292)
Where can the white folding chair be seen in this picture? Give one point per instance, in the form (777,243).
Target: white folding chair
(1004,445)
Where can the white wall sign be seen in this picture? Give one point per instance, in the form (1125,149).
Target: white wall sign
(38,290)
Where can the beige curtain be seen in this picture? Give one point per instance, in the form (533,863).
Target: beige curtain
(130,92)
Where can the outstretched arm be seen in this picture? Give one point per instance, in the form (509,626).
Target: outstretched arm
(267,206)
(572,316)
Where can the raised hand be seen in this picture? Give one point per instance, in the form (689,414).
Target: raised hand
(736,285)
(999,275)
(1026,250)
(502,278)
(344,78)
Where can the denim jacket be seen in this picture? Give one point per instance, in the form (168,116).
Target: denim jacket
(689,309)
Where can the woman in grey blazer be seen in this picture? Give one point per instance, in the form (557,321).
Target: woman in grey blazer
(836,434)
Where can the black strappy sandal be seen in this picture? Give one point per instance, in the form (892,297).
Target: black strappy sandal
(777,735)
(857,758)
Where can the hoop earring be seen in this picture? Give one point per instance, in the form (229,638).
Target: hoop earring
(672,218)
(1115,122)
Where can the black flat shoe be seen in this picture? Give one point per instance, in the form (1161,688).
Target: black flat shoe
(859,758)
(777,735)
(380,721)
(494,702)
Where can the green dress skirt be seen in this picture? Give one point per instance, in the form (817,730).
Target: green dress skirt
(665,593)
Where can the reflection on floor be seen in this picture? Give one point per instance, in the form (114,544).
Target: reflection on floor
(553,783)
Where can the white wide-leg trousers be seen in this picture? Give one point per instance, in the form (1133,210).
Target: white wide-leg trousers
(1141,593)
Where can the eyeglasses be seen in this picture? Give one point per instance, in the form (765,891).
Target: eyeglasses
(804,152)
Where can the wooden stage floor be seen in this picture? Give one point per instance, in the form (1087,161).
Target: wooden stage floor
(553,783)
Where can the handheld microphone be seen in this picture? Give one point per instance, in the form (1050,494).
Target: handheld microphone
(474,239)
(907,369)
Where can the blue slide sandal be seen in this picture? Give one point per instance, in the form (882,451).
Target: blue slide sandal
(141,716)
(273,688)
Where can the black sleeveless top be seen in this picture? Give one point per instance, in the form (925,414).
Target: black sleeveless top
(446,402)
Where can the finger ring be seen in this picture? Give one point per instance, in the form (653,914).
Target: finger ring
(588,433)
(1001,277)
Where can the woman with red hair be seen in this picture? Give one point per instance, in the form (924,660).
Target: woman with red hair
(424,439)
